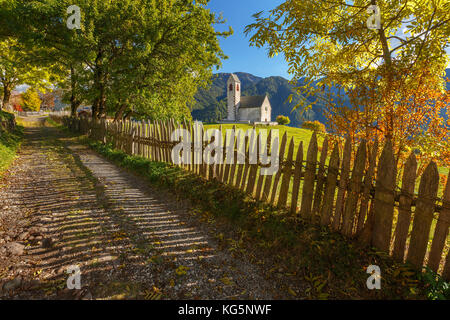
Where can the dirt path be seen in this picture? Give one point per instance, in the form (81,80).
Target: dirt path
(63,205)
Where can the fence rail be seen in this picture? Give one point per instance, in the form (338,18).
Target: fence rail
(356,197)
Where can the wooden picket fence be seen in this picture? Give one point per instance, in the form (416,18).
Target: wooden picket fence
(356,197)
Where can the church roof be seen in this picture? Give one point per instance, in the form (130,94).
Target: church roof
(252,101)
(235,78)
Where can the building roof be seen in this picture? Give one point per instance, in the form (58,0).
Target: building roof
(235,78)
(252,101)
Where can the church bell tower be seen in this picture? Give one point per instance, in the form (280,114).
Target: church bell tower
(233,97)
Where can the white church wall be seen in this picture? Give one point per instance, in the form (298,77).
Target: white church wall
(252,114)
(266,111)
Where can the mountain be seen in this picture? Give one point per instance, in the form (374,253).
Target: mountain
(211,104)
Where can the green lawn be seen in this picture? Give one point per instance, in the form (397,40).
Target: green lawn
(296,133)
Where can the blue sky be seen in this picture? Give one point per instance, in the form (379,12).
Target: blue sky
(242,57)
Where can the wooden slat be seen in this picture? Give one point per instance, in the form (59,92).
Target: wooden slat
(368,181)
(297,178)
(404,210)
(241,146)
(287,173)
(310,176)
(354,190)
(259,187)
(423,215)
(343,181)
(197,147)
(191,133)
(160,139)
(253,148)
(224,155)
(234,165)
(441,230)
(230,156)
(446,272)
(384,199)
(330,187)
(168,127)
(320,180)
(268,178)
(280,169)
(247,164)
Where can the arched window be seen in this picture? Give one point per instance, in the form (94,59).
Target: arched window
(231,87)
(237,87)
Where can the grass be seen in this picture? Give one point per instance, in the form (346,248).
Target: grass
(327,264)
(9,143)
(298,134)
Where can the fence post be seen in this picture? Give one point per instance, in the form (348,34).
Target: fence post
(363,208)
(310,177)
(320,179)
(297,178)
(404,209)
(343,180)
(441,230)
(273,195)
(354,190)
(423,215)
(384,199)
(287,172)
(253,148)
(326,211)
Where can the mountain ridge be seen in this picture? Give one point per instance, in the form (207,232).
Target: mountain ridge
(210,104)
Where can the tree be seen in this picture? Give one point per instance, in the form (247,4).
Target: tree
(282,120)
(48,100)
(31,100)
(314,125)
(126,51)
(385,71)
(17,66)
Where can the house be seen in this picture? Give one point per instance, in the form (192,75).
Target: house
(249,109)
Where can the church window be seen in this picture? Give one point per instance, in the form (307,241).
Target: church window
(237,87)
(231,87)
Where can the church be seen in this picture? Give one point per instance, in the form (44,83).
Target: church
(251,109)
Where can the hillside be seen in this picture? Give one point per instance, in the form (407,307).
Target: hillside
(210,105)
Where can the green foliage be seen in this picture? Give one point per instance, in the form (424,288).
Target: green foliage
(435,286)
(17,66)
(31,100)
(9,143)
(145,58)
(314,125)
(283,120)
(330,40)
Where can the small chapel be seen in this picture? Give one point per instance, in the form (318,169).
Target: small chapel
(250,109)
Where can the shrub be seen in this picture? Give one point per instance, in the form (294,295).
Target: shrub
(283,119)
(314,125)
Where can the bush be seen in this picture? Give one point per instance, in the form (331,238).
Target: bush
(283,119)
(314,125)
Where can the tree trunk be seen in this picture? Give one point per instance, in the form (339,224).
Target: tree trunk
(74,102)
(6,97)
(98,107)
(119,114)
